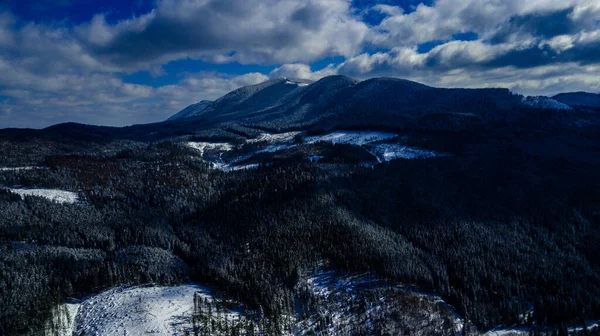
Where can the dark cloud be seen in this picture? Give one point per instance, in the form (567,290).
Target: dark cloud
(310,17)
(525,58)
(543,25)
(250,30)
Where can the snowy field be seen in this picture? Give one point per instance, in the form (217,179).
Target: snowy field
(56,195)
(274,137)
(274,142)
(357,138)
(141,311)
(19,168)
(388,152)
(204,146)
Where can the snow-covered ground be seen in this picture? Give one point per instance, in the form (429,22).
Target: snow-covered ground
(366,303)
(545,102)
(372,141)
(56,195)
(274,137)
(204,146)
(524,330)
(228,168)
(142,311)
(388,152)
(357,138)
(293,82)
(63,320)
(19,168)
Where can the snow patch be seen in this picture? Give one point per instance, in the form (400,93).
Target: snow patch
(291,82)
(357,138)
(388,152)
(274,137)
(228,168)
(142,311)
(55,195)
(19,168)
(348,302)
(204,146)
(63,320)
(274,142)
(545,102)
(525,330)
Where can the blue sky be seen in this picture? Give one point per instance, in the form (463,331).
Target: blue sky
(120,62)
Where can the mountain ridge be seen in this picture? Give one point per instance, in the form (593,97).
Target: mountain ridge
(339,102)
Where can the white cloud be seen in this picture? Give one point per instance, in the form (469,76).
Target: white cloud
(246,31)
(302,71)
(448,17)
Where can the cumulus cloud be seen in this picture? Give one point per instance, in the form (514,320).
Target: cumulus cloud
(488,19)
(48,77)
(303,71)
(246,31)
(106,100)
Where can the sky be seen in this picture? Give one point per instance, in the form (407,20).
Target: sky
(123,62)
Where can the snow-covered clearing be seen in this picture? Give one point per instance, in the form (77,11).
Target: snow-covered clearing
(142,311)
(19,168)
(228,168)
(388,152)
(204,146)
(274,137)
(372,141)
(56,195)
(357,138)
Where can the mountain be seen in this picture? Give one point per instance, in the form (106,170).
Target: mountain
(243,100)
(191,110)
(580,99)
(336,102)
(339,102)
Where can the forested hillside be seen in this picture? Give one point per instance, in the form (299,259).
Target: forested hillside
(493,233)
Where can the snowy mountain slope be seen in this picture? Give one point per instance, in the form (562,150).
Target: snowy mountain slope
(337,102)
(191,111)
(545,102)
(342,102)
(249,99)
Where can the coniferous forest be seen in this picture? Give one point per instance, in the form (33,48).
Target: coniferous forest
(494,232)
